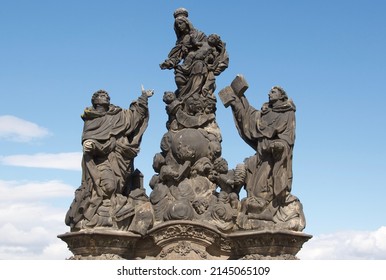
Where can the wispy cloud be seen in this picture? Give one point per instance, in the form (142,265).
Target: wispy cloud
(33,191)
(66,161)
(15,129)
(348,245)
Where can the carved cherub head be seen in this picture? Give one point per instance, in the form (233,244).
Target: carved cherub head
(169,97)
(221,165)
(200,205)
(214,40)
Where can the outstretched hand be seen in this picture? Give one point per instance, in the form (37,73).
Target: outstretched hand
(148,93)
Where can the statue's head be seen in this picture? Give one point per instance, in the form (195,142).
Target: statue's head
(182,24)
(169,97)
(221,165)
(180,12)
(214,40)
(100,97)
(277,93)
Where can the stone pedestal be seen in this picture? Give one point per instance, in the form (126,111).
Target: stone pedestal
(101,244)
(185,240)
(267,244)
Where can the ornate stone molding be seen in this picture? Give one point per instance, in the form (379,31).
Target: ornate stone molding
(267,243)
(184,230)
(97,244)
(185,240)
(183,250)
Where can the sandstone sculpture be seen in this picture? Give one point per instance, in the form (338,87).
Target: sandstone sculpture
(194,209)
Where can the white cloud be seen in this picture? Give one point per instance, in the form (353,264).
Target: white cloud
(15,129)
(37,246)
(57,250)
(27,215)
(30,220)
(12,235)
(27,234)
(30,223)
(66,161)
(350,245)
(33,191)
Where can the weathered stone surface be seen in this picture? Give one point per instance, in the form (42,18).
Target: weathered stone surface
(194,210)
(100,244)
(185,240)
(267,243)
(111,194)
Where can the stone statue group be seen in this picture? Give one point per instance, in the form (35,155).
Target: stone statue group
(192,181)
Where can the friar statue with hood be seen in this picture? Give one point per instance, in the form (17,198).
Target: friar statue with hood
(271,133)
(111,191)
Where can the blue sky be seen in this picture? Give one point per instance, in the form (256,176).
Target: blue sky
(328,55)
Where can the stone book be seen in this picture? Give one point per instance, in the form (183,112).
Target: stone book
(238,86)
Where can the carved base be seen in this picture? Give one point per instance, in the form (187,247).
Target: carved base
(101,244)
(185,240)
(267,244)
